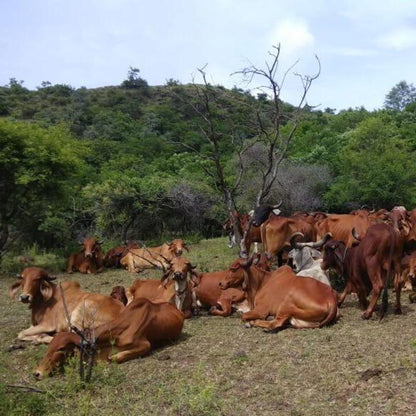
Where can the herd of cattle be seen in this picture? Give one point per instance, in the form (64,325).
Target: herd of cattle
(367,248)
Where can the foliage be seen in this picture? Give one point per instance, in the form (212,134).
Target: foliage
(401,95)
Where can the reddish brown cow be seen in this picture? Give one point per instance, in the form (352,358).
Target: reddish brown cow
(89,259)
(222,302)
(367,266)
(139,328)
(45,300)
(301,302)
(174,287)
(114,255)
(341,225)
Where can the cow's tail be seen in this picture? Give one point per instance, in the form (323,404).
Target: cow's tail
(333,311)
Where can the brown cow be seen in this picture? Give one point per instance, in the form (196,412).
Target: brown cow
(367,266)
(114,255)
(136,260)
(47,306)
(301,302)
(208,292)
(89,259)
(174,287)
(341,225)
(408,265)
(251,233)
(139,328)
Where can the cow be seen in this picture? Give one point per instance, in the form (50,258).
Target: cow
(114,255)
(307,259)
(136,260)
(139,328)
(208,292)
(89,259)
(174,287)
(287,299)
(48,302)
(276,233)
(341,225)
(367,266)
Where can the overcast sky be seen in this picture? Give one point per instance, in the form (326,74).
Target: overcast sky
(365,46)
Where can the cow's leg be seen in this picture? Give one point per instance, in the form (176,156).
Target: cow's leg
(273,325)
(378,286)
(70,264)
(139,349)
(252,315)
(398,285)
(34,333)
(225,305)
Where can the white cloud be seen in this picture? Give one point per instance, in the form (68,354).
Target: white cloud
(400,39)
(292,34)
(353,52)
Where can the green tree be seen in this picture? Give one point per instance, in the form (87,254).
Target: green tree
(36,169)
(376,168)
(401,95)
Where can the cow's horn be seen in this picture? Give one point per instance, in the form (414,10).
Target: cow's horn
(100,242)
(278,205)
(49,278)
(248,262)
(19,276)
(293,241)
(355,235)
(321,242)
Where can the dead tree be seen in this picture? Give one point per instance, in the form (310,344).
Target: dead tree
(269,125)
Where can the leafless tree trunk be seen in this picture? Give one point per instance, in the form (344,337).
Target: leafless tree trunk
(270,134)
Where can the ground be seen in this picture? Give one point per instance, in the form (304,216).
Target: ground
(219,367)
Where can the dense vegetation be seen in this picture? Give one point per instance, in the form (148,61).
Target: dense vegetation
(131,161)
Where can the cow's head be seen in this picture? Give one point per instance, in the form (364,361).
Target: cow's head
(34,282)
(262,212)
(334,252)
(179,269)
(91,246)
(303,254)
(236,274)
(60,348)
(177,246)
(119,293)
(400,220)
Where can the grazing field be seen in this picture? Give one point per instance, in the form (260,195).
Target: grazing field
(219,367)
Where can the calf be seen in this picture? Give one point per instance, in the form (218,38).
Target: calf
(89,259)
(113,256)
(301,302)
(139,328)
(48,302)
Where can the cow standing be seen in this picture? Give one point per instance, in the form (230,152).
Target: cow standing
(89,259)
(367,266)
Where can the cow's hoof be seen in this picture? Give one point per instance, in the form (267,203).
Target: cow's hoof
(365,316)
(247,325)
(398,311)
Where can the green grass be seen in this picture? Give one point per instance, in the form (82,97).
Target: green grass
(219,367)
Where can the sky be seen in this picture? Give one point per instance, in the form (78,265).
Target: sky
(365,47)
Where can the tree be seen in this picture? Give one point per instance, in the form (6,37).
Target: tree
(133,80)
(401,95)
(36,167)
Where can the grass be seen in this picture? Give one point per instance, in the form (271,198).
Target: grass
(219,367)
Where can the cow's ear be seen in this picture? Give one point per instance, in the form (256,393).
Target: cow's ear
(14,288)
(46,290)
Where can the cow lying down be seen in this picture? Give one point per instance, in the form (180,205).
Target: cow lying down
(46,302)
(140,327)
(289,300)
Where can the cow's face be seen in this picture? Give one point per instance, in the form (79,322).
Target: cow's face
(301,257)
(33,281)
(177,246)
(61,347)
(235,275)
(261,214)
(179,269)
(91,246)
(333,255)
